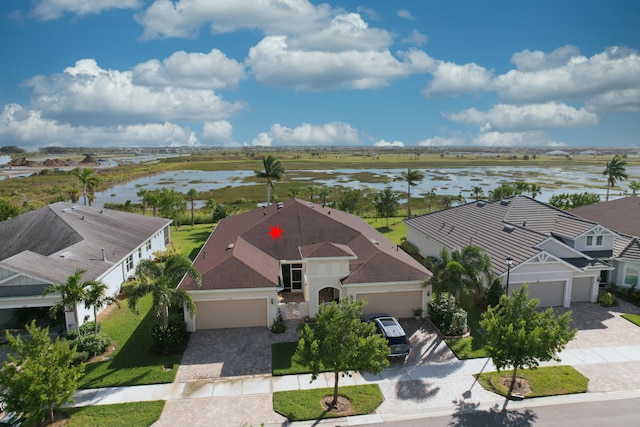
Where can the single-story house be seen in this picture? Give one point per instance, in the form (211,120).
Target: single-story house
(620,215)
(560,255)
(254,262)
(48,245)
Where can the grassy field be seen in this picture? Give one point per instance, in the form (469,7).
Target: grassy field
(190,239)
(138,414)
(546,381)
(130,363)
(301,405)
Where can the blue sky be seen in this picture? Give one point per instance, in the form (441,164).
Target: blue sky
(111,73)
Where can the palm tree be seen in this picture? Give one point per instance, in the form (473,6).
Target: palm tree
(88,180)
(615,171)
(72,292)
(273,170)
(534,189)
(412,177)
(294,192)
(635,187)
(95,297)
(477,192)
(324,192)
(143,195)
(211,206)
(153,198)
(162,280)
(192,193)
(312,190)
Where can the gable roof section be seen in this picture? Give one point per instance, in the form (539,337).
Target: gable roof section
(632,251)
(515,227)
(308,231)
(619,215)
(61,237)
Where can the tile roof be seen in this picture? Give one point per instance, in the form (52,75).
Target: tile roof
(619,215)
(54,241)
(240,253)
(631,251)
(513,227)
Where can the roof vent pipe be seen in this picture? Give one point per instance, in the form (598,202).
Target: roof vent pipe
(104,255)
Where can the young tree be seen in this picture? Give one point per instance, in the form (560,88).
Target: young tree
(97,298)
(635,187)
(477,192)
(324,192)
(518,335)
(341,342)
(312,190)
(171,204)
(273,171)
(615,170)
(211,206)
(72,293)
(386,203)
(535,190)
(192,193)
(143,196)
(162,280)
(88,180)
(40,375)
(350,200)
(502,192)
(412,177)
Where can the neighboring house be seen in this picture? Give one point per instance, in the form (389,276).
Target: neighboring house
(621,215)
(561,256)
(254,260)
(48,245)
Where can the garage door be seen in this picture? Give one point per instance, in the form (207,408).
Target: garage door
(550,294)
(581,289)
(231,313)
(398,304)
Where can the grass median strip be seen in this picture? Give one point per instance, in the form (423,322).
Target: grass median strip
(545,381)
(633,318)
(302,405)
(122,414)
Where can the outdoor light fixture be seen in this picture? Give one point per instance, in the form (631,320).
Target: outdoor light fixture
(509,263)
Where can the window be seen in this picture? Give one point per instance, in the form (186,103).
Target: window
(599,241)
(589,240)
(292,276)
(631,274)
(130,263)
(140,252)
(148,245)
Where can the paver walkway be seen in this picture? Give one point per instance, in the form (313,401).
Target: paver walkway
(431,380)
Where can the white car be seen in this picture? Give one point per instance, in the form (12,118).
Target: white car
(389,327)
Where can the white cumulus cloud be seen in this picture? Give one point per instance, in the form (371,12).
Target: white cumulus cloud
(383,143)
(527,60)
(86,93)
(515,139)
(211,70)
(440,141)
(30,131)
(47,10)
(505,117)
(451,79)
(333,133)
(218,133)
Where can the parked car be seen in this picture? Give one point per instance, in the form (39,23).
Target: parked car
(390,328)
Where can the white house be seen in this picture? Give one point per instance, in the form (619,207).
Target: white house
(48,245)
(255,262)
(561,256)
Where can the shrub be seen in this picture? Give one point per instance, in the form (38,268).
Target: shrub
(160,256)
(94,345)
(606,299)
(170,339)
(447,319)
(278,325)
(493,294)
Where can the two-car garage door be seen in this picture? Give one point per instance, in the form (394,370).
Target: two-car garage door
(398,304)
(231,313)
(550,294)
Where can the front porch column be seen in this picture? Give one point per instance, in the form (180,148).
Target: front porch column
(566,301)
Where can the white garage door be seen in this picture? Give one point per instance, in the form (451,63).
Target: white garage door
(581,289)
(231,313)
(550,294)
(398,304)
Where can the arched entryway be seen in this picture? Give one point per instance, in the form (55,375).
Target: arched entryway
(328,294)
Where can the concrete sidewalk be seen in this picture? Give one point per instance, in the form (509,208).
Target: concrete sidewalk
(409,391)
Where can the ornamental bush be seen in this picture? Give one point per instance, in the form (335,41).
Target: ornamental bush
(606,299)
(445,317)
(170,339)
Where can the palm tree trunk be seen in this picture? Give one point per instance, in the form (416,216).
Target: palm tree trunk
(192,212)
(607,198)
(165,315)
(95,321)
(268,194)
(409,201)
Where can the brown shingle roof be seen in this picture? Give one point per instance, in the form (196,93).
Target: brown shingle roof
(619,215)
(244,238)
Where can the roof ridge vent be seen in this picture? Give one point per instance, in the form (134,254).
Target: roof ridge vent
(505,202)
(481,203)
(508,228)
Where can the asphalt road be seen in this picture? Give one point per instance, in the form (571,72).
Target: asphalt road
(611,413)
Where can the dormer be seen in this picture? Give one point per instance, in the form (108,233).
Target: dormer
(596,239)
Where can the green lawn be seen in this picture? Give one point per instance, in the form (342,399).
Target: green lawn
(633,318)
(394,232)
(130,363)
(285,361)
(120,415)
(300,405)
(546,381)
(190,239)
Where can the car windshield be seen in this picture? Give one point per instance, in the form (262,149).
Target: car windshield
(397,340)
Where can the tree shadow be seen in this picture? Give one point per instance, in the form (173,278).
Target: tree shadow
(467,414)
(415,390)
